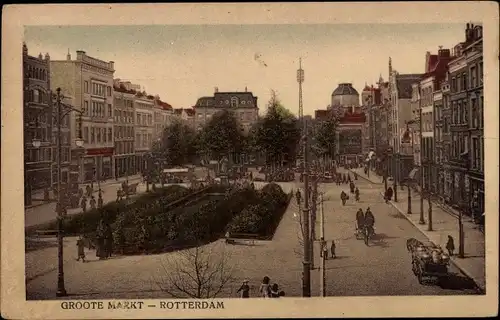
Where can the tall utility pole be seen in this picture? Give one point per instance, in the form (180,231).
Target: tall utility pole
(306,263)
(314,210)
(322,265)
(300,80)
(61,290)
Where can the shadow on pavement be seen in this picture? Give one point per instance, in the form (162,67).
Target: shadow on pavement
(34,244)
(456,281)
(381,236)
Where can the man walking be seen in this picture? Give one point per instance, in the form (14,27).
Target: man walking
(332,249)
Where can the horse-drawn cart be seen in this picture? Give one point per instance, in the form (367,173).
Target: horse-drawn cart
(429,263)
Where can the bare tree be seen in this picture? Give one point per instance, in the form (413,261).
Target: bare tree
(200,273)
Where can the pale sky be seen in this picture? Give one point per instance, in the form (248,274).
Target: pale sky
(184,62)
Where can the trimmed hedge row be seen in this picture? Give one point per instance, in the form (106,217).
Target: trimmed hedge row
(262,216)
(146,203)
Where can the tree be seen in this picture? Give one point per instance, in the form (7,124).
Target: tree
(325,140)
(221,136)
(200,273)
(278,133)
(176,144)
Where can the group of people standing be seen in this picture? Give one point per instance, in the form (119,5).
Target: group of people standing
(103,245)
(266,290)
(345,178)
(89,195)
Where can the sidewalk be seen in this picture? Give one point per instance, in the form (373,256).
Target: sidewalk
(47,212)
(445,223)
(37,196)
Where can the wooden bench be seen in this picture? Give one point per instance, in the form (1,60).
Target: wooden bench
(46,233)
(247,237)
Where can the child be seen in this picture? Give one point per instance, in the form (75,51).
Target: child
(245,290)
(81,252)
(275,291)
(265,288)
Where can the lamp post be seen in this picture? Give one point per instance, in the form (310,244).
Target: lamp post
(62,111)
(409,137)
(396,174)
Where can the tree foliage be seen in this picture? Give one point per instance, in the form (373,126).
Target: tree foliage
(176,145)
(221,135)
(325,140)
(278,133)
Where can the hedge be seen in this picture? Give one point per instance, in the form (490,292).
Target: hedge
(146,203)
(262,217)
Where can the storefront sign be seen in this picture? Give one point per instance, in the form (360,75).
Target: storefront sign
(100,151)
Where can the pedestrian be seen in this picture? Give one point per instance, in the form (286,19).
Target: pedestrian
(355,176)
(450,245)
(322,245)
(325,249)
(275,291)
(118,195)
(88,190)
(108,240)
(332,249)
(298,197)
(80,244)
(349,177)
(100,201)
(84,204)
(92,203)
(389,193)
(244,289)
(265,289)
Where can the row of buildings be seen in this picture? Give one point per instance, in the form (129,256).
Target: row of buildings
(117,121)
(433,121)
(427,127)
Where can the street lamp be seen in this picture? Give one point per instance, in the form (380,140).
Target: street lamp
(407,137)
(62,111)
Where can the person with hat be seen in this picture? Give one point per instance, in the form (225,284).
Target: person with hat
(244,289)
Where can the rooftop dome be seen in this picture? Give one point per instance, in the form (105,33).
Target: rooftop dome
(345,89)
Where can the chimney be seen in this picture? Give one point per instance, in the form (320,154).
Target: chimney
(47,57)
(112,65)
(68,56)
(40,56)
(25,49)
(216,89)
(246,90)
(80,54)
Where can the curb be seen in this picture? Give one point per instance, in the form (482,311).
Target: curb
(363,177)
(452,260)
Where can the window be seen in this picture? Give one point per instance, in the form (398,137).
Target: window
(480,76)
(465,113)
(138,119)
(473,77)
(110,111)
(137,140)
(464,81)
(98,135)
(92,135)
(454,84)
(86,87)
(459,83)
(36,95)
(110,134)
(103,133)
(109,91)
(481,112)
